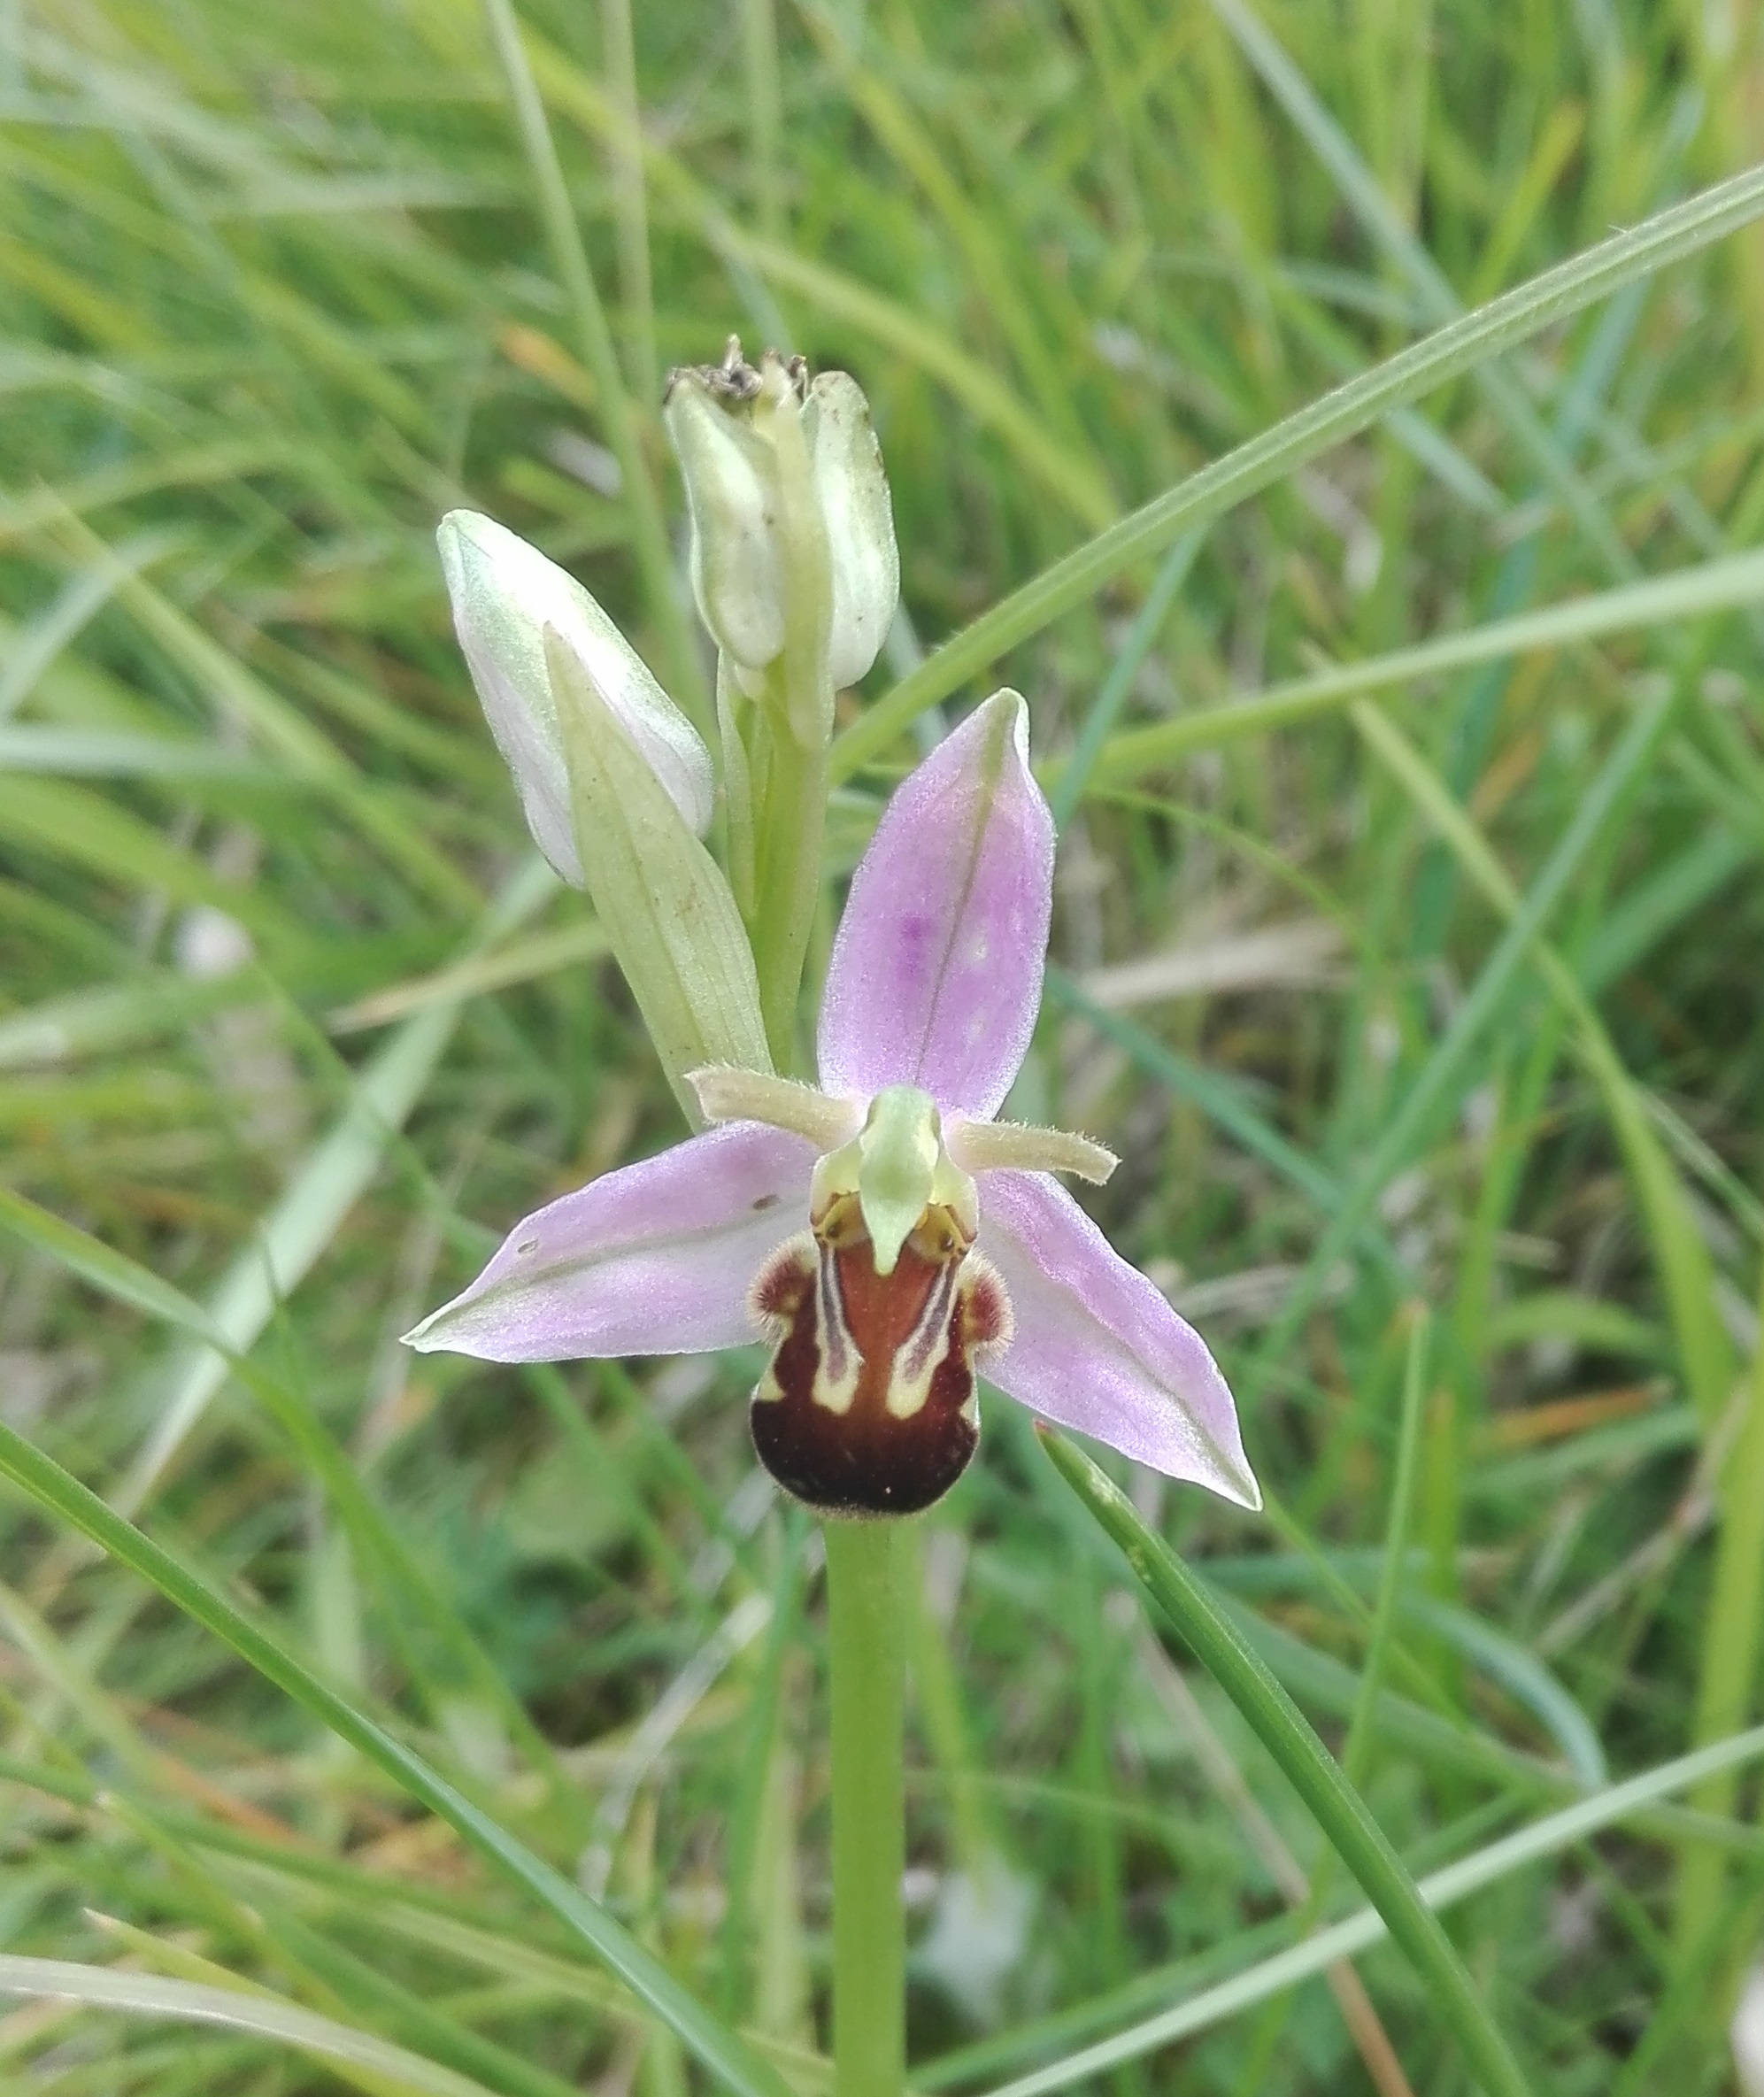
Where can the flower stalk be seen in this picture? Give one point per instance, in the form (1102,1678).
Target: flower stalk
(866,1605)
(787,878)
(800,721)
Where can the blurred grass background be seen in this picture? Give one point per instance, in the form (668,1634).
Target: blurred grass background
(288,1020)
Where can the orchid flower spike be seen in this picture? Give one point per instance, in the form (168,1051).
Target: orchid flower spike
(884,1231)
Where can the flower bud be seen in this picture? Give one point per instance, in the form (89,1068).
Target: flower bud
(504,595)
(853,491)
(732,497)
(722,420)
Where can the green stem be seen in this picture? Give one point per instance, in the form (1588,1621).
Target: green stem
(867,1650)
(787,880)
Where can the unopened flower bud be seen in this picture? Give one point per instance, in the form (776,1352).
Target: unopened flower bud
(505,594)
(854,501)
(747,544)
(731,494)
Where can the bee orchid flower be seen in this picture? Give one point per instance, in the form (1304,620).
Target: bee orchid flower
(884,1231)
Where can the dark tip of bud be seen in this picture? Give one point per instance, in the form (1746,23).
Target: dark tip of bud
(735,382)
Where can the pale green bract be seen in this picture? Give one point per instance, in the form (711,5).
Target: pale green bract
(663,900)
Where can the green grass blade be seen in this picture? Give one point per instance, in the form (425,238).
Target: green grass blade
(1727,1670)
(1711,586)
(1308,1766)
(457,1668)
(319,1195)
(67,825)
(1368,201)
(1517,1670)
(1486,1867)
(1218,1098)
(392,2069)
(1357,1748)
(630,205)
(1687,1273)
(94,753)
(61,1495)
(985,257)
(1451,1053)
(1451,350)
(685,679)
(1074,775)
(906,333)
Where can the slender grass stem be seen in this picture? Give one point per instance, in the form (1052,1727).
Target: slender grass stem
(1422,1102)
(765,113)
(867,1665)
(569,258)
(1068,787)
(1686,1275)
(1726,1690)
(630,208)
(1736,581)
(1357,1750)
(1483,1866)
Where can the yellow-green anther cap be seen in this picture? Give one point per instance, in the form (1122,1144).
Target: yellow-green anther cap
(741,536)
(506,595)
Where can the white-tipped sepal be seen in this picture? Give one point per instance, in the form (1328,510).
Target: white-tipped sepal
(506,595)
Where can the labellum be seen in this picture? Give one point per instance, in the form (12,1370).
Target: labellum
(868,1406)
